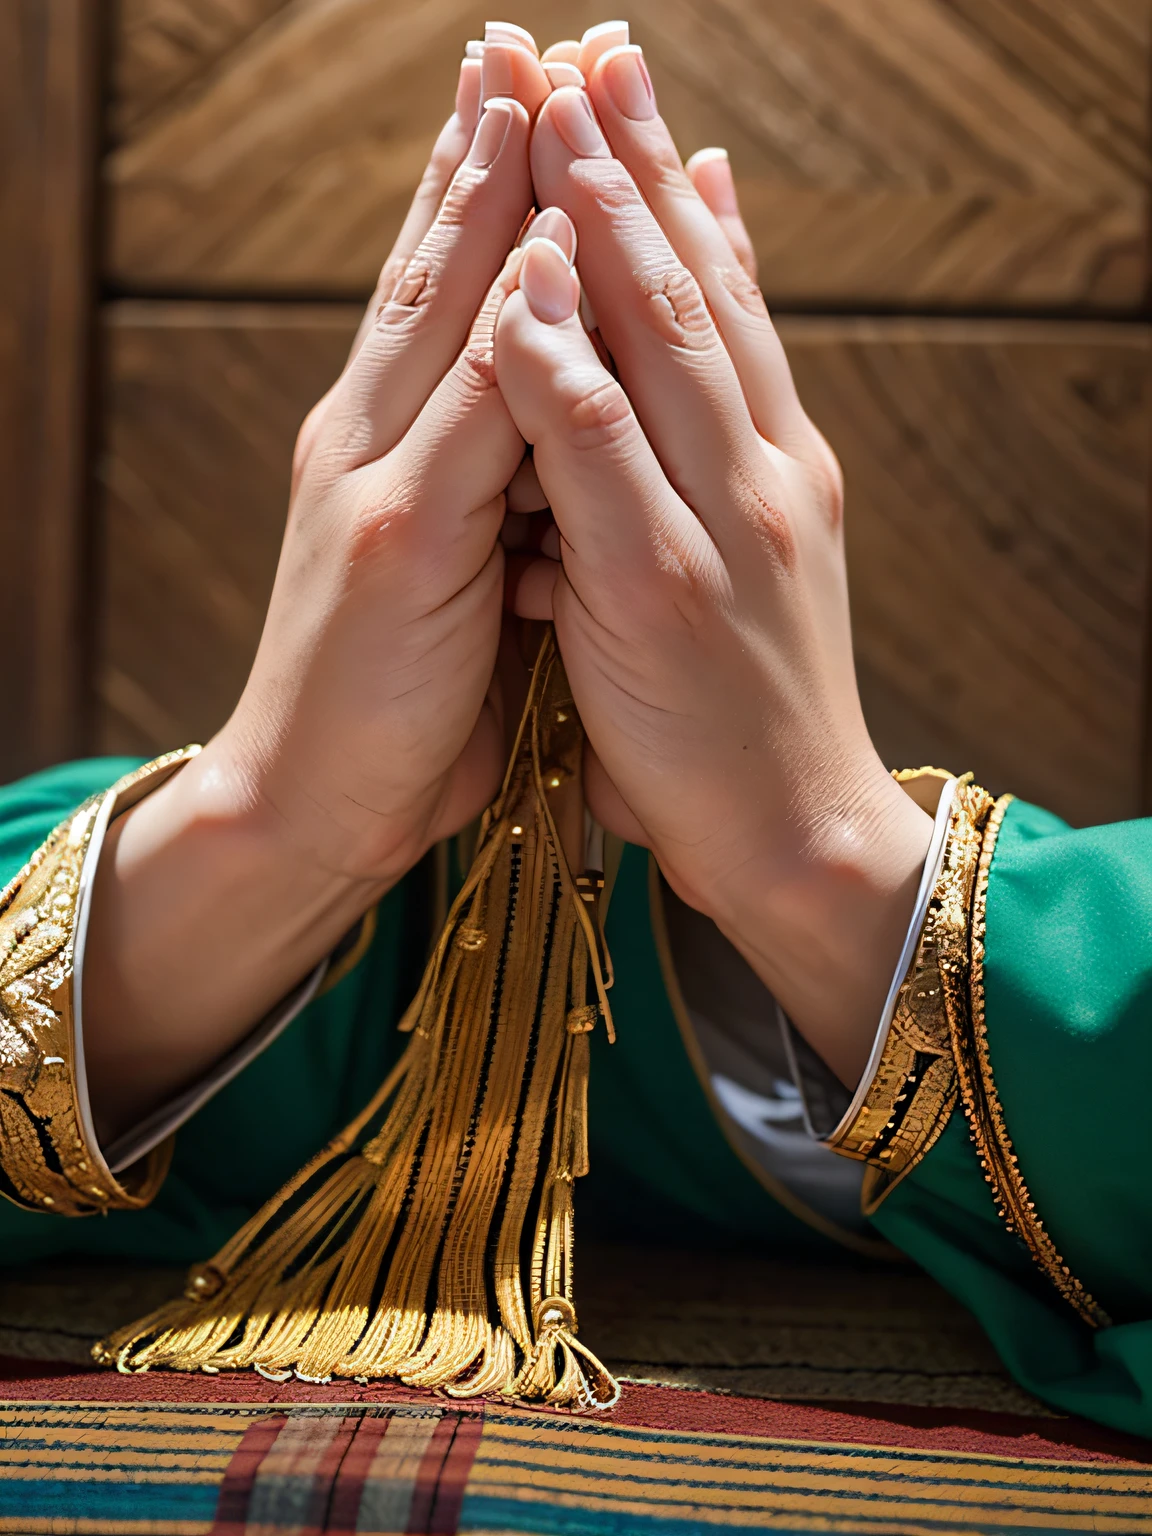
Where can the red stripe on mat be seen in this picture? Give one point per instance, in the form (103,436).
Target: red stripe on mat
(645,1407)
(449,1501)
(428,1477)
(240,1476)
(354,1469)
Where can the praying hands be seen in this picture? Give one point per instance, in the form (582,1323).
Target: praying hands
(675,513)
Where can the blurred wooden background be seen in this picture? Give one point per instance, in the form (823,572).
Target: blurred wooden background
(950,203)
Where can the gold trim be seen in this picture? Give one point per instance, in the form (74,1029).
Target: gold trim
(47,1152)
(873,1248)
(986,1114)
(914,1090)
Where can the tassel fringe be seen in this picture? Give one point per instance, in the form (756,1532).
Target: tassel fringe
(437,1247)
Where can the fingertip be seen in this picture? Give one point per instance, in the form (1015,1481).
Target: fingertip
(555,225)
(561,74)
(547,282)
(509,32)
(565,52)
(711,174)
(468,94)
(598,40)
(530,585)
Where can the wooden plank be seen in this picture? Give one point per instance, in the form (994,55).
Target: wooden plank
(997,476)
(48,71)
(903,153)
(997,535)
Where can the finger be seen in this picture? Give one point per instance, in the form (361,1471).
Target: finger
(509,32)
(622,95)
(654,321)
(511,72)
(419,332)
(463,448)
(618,517)
(598,40)
(448,151)
(710,173)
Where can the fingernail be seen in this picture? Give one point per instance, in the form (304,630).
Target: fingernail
(565,52)
(509,32)
(468,94)
(498,77)
(473,49)
(571,111)
(563,74)
(490,135)
(712,176)
(548,283)
(555,225)
(598,40)
(626,77)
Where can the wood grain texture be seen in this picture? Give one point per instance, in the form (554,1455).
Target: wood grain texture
(48,162)
(997,477)
(903,153)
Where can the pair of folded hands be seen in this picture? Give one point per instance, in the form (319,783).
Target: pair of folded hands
(692,561)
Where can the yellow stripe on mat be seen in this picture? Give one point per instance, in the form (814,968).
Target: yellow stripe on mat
(730,1480)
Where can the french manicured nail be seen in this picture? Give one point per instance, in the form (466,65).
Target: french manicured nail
(490,135)
(571,112)
(626,77)
(499,70)
(548,282)
(473,49)
(509,32)
(468,94)
(598,40)
(563,74)
(712,176)
(555,225)
(565,52)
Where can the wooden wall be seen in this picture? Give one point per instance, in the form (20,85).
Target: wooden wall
(950,203)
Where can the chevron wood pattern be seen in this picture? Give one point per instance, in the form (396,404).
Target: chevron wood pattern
(997,533)
(890,153)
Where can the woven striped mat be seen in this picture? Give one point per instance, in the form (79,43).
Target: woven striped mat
(667,1462)
(759,1395)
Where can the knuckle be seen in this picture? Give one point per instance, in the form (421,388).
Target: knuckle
(609,186)
(598,416)
(827,480)
(764,510)
(677,308)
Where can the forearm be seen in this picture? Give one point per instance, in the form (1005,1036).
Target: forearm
(204,914)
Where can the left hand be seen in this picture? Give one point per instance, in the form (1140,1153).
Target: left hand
(700,597)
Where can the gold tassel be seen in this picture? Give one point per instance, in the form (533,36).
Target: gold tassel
(401,1252)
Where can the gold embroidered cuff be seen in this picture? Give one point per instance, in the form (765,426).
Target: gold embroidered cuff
(49,1157)
(984,1111)
(914,1089)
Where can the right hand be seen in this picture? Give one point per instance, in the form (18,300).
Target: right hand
(366,730)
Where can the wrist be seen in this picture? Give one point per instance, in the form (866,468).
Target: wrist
(203,917)
(822,916)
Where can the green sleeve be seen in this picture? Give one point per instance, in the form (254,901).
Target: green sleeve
(1068,980)
(30,808)
(242,1145)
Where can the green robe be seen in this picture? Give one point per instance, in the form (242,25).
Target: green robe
(1069,1003)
